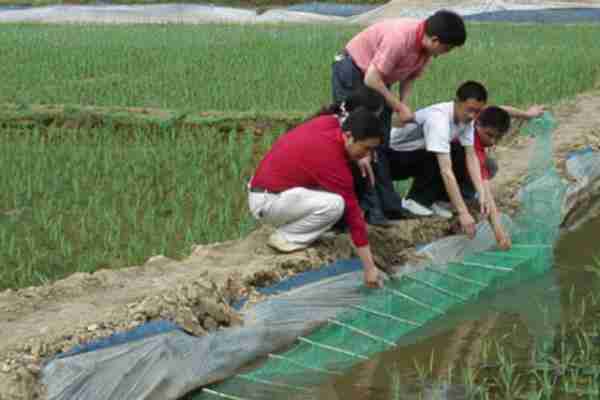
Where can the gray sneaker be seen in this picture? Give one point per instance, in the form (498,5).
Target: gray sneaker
(282,245)
(415,208)
(441,210)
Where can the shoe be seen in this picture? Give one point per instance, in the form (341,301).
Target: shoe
(415,208)
(282,245)
(441,209)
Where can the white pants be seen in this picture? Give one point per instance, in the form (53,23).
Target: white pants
(300,215)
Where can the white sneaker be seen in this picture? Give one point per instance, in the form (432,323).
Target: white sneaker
(441,210)
(415,208)
(279,243)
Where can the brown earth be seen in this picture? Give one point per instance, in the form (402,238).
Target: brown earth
(38,322)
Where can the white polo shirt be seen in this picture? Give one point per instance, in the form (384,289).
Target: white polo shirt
(434,130)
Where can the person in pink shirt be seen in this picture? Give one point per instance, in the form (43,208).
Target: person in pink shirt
(389,52)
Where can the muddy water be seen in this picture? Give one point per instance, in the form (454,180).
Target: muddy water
(517,318)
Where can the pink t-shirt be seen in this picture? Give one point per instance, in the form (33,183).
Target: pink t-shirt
(394,47)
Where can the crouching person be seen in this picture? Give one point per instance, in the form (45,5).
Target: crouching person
(304,184)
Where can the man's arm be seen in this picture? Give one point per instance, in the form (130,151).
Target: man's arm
(532,112)
(502,237)
(404,90)
(474,169)
(370,271)
(374,80)
(466,220)
(340,181)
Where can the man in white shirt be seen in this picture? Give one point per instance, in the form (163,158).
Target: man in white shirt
(423,151)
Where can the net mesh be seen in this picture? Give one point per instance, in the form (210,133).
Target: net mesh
(408,302)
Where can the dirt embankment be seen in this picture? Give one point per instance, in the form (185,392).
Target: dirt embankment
(41,321)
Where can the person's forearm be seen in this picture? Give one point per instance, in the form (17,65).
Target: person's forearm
(377,84)
(453,190)
(374,81)
(365,255)
(404,90)
(474,170)
(515,112)
(494,218)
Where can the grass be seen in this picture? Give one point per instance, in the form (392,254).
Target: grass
(83,200)
(93,196)
(273,67)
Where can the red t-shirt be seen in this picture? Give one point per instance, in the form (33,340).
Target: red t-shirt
(313,156)
(481,156)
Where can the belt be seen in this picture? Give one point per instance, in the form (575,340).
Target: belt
(342,55)
(258,189)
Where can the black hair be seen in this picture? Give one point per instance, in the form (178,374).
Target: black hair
(448,27)
(494,117)
(471,90)
(362,96)
(363,124)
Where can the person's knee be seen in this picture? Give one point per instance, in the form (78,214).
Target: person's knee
(337,206)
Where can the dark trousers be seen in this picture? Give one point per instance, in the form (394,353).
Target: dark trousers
(421,165)
(345,78)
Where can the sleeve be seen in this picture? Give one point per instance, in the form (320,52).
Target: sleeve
(437,132)
(481,157)
(467,137)
(389,51)
(419,72)
(485,173)
(339,180)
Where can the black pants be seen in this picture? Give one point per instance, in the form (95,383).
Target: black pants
(382,198)
(421,165)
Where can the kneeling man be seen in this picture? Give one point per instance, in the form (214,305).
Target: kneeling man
(304,184)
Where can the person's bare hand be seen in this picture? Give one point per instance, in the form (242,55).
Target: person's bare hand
(467,223)
(535,111)
(371,278)
(366,170)
(405,114)
(503,240)
(484,206)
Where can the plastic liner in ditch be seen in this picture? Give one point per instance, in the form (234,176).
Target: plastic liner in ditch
(335,9)
(329,325)
(544,16)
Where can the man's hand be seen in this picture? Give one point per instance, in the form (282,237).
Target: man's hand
(366,171)
(467,222)
(371,277)
(405,114)
(503,240)
(484,207)
(534,111)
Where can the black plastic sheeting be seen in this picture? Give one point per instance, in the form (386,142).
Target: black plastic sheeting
(14,7)
(334,9)
(546,16)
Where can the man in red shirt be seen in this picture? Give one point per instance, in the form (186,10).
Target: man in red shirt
(304,184)
(389,52)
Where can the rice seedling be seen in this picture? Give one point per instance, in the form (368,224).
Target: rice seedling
(271,68)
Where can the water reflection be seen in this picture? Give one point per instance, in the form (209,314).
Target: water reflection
(524,318)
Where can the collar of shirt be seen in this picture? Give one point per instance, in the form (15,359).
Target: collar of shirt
(340,139)
(420,36)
